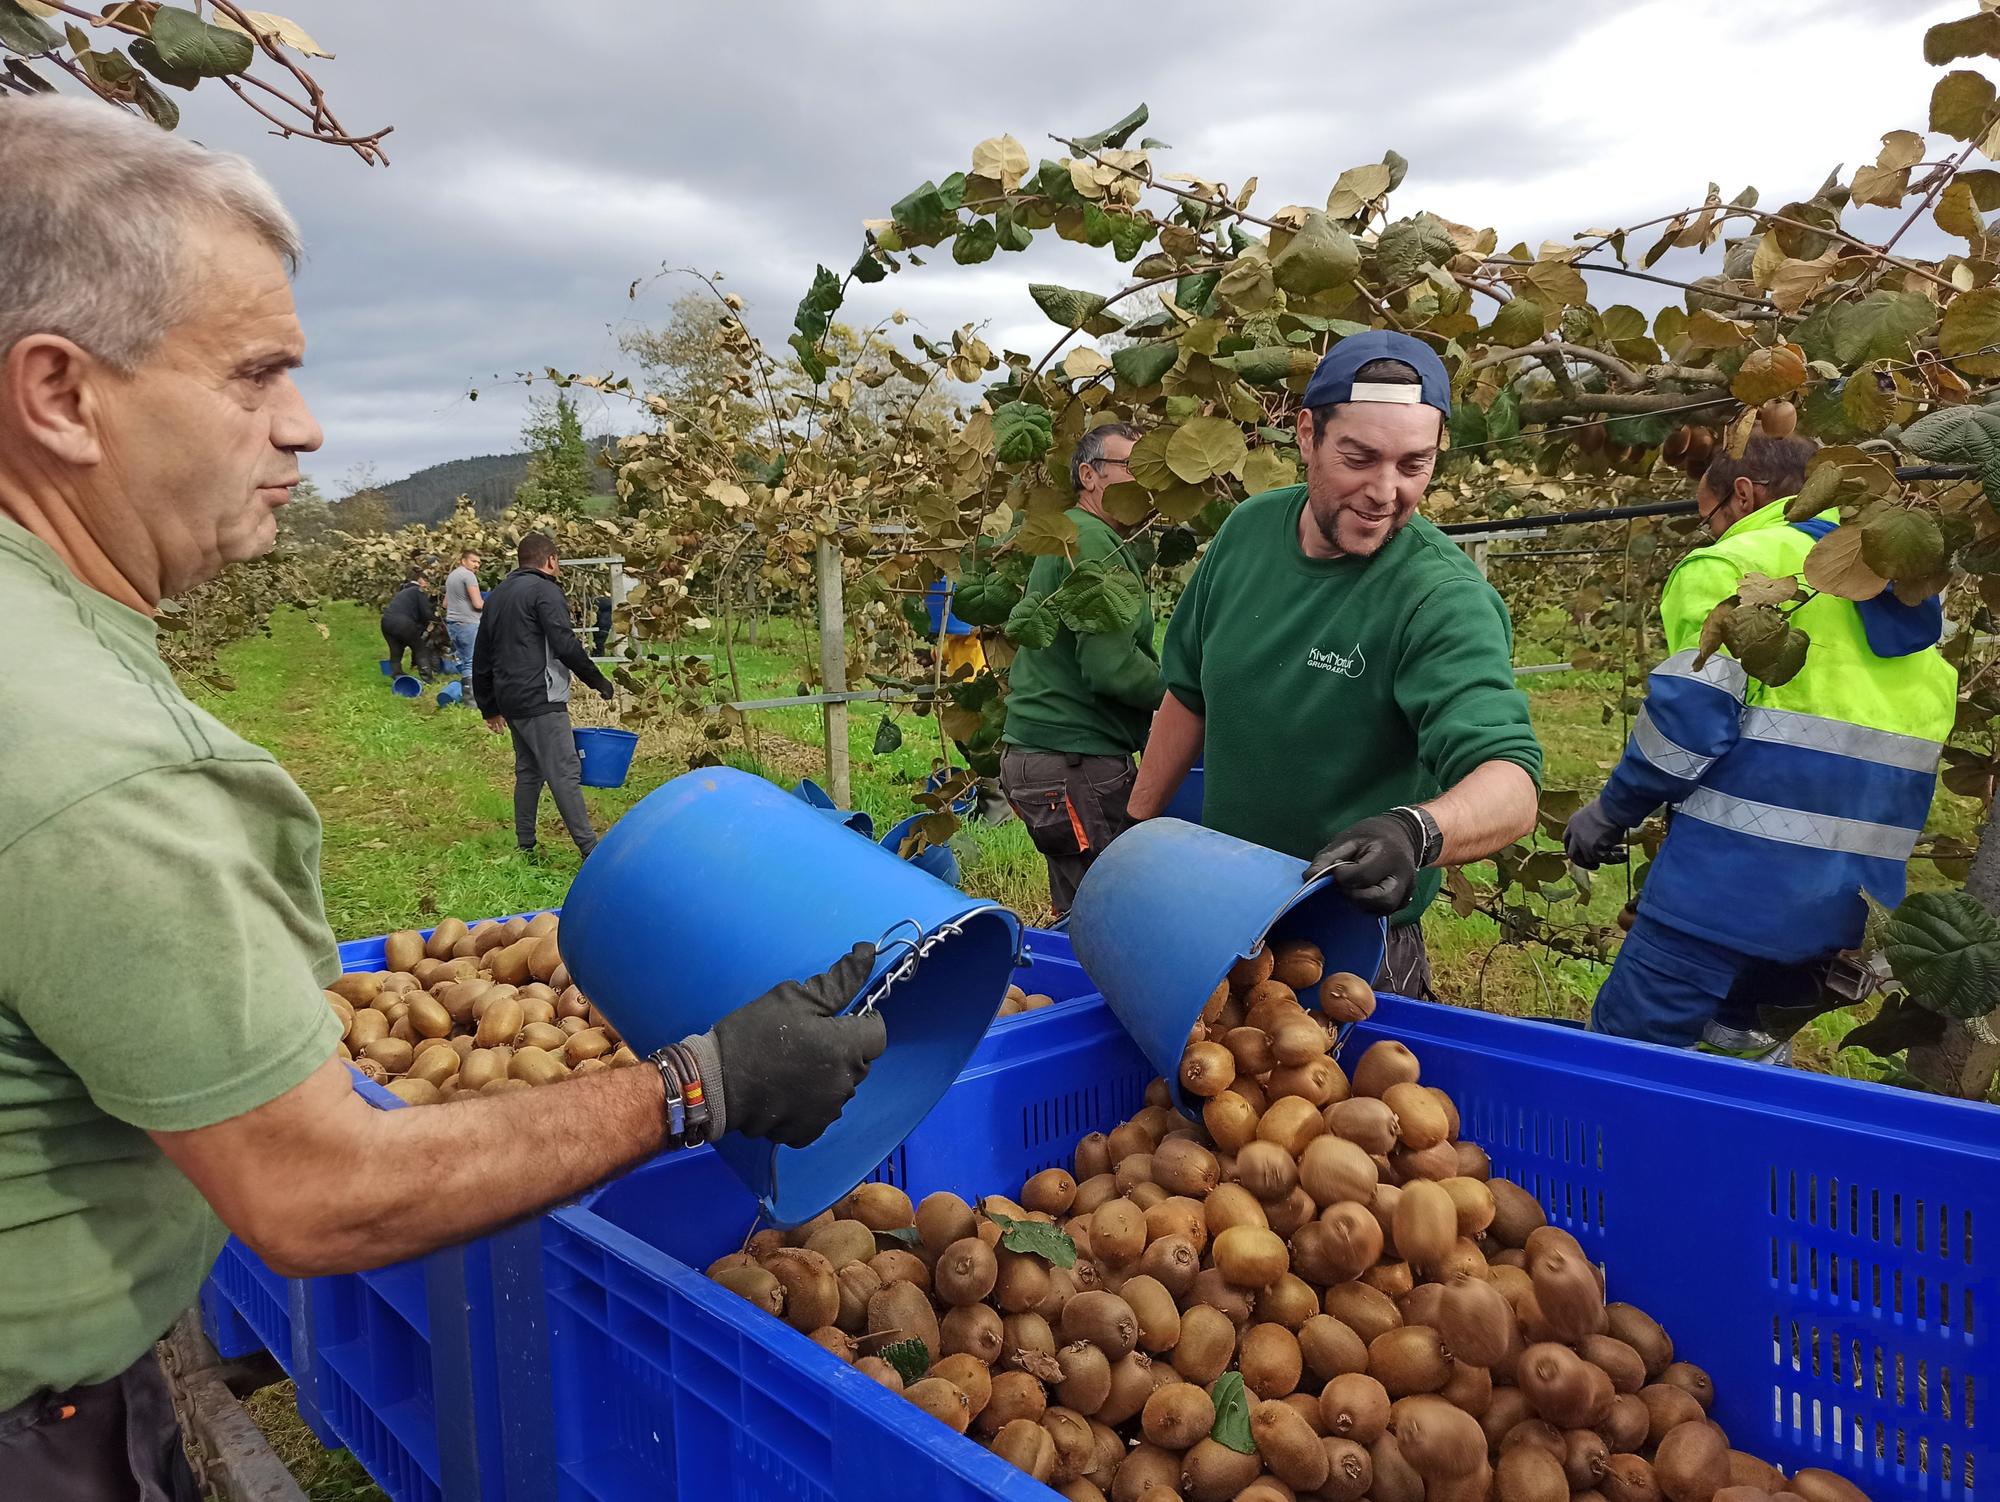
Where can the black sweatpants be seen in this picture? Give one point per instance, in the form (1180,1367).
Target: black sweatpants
(115,1441)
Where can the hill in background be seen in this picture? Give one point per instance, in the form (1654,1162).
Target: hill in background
(488,481)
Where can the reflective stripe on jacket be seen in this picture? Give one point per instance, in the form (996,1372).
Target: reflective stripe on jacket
(1790,800)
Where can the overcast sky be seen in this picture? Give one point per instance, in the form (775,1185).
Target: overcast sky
(547,154)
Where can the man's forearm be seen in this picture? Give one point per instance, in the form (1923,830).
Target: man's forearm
(1491,807)
(1172,747)
(372,1187)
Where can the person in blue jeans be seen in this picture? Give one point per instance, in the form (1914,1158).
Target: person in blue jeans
(463,605)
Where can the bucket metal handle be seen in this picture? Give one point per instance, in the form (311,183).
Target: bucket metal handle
(914,951)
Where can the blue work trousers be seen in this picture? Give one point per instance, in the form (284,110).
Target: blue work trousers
(1667,985)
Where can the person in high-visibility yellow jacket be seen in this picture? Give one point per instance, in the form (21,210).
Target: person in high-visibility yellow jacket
(1789,800)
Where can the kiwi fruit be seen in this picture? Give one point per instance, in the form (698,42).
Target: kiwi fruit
(1093,1157)
(1620,1362)
(1290,1302)
(393,1054)
(1667,1408)
(1251,1048)
(1021,1281)
(1528,1473)
(1013,1396)
(1098,1189)
(499,1024)
(1332,1169)
(1177,1415)
(1086,1377)
(942,1219)
(1384,1064)
(1625,1424)
(1566,1291)
(1027,1446)
(1642,1333)
(1297,963)
(1817,1485)
(1440,1442)
(858,1284)
(1206,1345)
(1207,1069)
(1584,1454)
(1287,1215)
(1509,1407)
(1075,1445)
(880,1207)
(1366,1122)
(1291,1123)
(1103,1319)
(1231,1120)
(1743,1494)
(1693,1380)
(1392,1278)
(1516,1214)
(1147,1468)
(1300,1041)
(877,1370)
(1051,1191)
(977,1330)
(1330,1348)
(1558,1384)
(1132,1382)
(1395,1479)
(1426,1224)
(1180,1166)
(1267,1171)
(1288,1445)
(965,1272)
(1253,968)
(1117,1232)
(1024,1338)
(904,1310)
(1628,1478)
(1421,1121)
(1174,1261)
(1212,1472)
(1270,1359)
(1250,1256)
(943,1401)
(1691,1463)
(1232,1205)
(1748,1470)
(1469,1387)
(1536,1434)
(1353,1241)
(1349,1470)
(812,1292)
(1364,1310)
(834,1341)
(1216,1291)
(1409,1359)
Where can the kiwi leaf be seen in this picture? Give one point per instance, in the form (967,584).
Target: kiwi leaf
(1049,1242)
(901,1235)
(910,1358)
(1232,1414)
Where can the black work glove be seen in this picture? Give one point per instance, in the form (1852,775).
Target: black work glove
(787,1062)
(1374,863)
(1593,838)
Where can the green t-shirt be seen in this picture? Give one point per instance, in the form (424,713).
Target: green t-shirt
(1333,689)
(1086,693)
(166,945)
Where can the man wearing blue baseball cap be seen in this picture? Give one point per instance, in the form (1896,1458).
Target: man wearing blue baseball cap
(1341,669)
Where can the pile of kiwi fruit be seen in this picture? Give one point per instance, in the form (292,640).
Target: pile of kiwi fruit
(479,1010)
(1405,1326)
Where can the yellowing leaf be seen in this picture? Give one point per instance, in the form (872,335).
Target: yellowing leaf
(1769,257)
(1044,532)
(1793,284)
(1083,363)
(1706,330)
(1003,159)
(1357,189)
(1962,105)
(1901,148)
(1204,447)
(1761,589)
(1769,373)
(1148,461)
(1970,337)
(1957,213)
(1835,567)
(277,28)
(1268,468)
(1885,186)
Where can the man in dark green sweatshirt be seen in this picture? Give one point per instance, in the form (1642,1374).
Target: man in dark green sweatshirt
(1078,708)
(1341,669)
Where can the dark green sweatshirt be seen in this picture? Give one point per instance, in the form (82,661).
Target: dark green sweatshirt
(1337,688)
(1089,693)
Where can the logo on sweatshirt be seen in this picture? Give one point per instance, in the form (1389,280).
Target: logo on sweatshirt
(1350,666)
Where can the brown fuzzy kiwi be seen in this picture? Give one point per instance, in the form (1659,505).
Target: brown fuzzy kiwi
(1692,1462)
(1266,1170)
(858,1284)
(1174,1261)
(1267,1488)
(1426,1225)
(1469,1387)
(1231,1120)
(1642,1333)
(1287,1215)
(1250,1257)
(1270,1359)
(1086,1377)
(1270,1002)
(1584,1454)
(1133,1170)
(1465,1260)
(1392,1278)
(1354,1406)
(1422,1121)
(1183,1166)
(1212,1472)
(1021,1282)
(1207,1069)
(965,1272)
(1131,1384)
(1299,1040)
(1440,1442)
(1313,1255)
(1024,1339)
(1354,1239)
(1421,1304)
(842,1242)
(1092,1158)
(1696,1382)
(1291,1123)
(1749,1470)
(1516,1213)
(1435,1163)
(1365,1121)
(1472,1200)
(1014,1396)
(1253,968)
(1536,1434)
(1627,1478)
(1345,997)
(878,1370)
(1251,1048)
(898,1266)
(1558,1384)
(1289,1302)
(1177,1415)
(977,1330)
(1126,1139)
(1621,1363)
(942,1401)
(1117,1232)
(1232,1205)
(1027,1446)
(1385,1063)
(1332,1169)
(1625,1424)
(1364,1310)
(1103,1319)
(1110,1451)
(1297,963)
(1667,1408)
(1288,1445)
(1207,1344)
(1528,1473)
(1093,1192)
(1076,1447)
(1159,1317)
(1051,1191)
(1742,1494)
(1566,1292)
(812,1291)
(1331,1349)
(1817,1485)
(1473,1162)
(1146,1469)
(835,1341)
(756,1284)
(1216,1291)
(1508,1408)
(1396,1480)
(1409,1359)
(904,1310)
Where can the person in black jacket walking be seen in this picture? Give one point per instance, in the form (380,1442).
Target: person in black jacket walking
(406,621)
(520,680)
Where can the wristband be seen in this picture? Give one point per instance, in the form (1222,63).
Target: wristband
(684,1128)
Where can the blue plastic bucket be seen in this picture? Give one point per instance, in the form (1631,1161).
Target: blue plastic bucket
(452,693)
(451,665)
(406,686)
(1185,805)
(606,755)
(965,802)
(1169,906)
(678,918)
(388,668)
(939,860)
(813,795)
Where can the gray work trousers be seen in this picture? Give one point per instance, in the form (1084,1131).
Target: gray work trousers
(545,755)
(1406,964)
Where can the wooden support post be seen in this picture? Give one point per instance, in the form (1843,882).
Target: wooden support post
(833,670)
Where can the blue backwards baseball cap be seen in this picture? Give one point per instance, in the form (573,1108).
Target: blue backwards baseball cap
(1333,379)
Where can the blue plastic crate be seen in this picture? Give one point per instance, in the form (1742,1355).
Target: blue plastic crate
(1820,1246)
(226,1330)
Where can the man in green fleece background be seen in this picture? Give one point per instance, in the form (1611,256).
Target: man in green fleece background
(1078,708)
(1341,669)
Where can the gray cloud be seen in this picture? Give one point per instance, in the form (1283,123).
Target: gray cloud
(549,155)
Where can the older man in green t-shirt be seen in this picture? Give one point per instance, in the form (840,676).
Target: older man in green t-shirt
(168,1065)
(1342,671)
(1077,709)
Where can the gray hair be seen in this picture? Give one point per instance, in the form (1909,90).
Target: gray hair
(1090,447)
(95,220)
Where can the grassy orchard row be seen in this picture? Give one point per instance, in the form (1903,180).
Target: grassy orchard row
(1319,1291)
(485,1010)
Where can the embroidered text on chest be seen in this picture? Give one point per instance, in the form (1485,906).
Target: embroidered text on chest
(1350,666)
